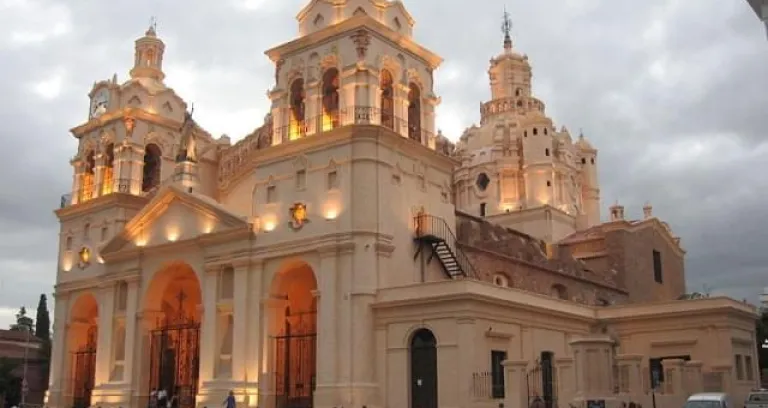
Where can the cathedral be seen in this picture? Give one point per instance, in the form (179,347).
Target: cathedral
(347,254)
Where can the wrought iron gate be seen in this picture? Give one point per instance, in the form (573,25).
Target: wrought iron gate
(84,360)
(542,383)
(295,361)
(175,357)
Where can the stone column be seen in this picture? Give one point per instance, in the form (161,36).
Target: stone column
(593,367)
(254,321)
(77,178)
(516,391)
(104,342)
(313,108)
(630,364)
(240,322)
(58,352)
(208,327)
(98,176)
(132,308)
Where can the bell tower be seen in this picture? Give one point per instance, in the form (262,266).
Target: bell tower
(148,62)
(354,64)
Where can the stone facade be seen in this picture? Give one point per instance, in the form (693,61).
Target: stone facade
(314,262)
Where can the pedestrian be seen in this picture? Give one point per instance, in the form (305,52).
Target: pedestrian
(230,401)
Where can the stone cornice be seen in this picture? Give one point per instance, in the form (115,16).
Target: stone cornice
(351,134)
(99,203)
(137,114)
(350,25)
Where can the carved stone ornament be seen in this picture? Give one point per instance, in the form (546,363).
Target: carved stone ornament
(298,216)
(84,258)
(129,123)
(362,40)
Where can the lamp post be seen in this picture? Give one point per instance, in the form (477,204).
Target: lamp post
(24,383)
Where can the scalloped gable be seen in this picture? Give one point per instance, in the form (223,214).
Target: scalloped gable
(177,212)
(302,14)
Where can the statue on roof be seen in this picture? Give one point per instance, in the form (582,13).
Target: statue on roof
(188,147)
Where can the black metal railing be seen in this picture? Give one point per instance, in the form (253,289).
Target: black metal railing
(431,227)
(348,116)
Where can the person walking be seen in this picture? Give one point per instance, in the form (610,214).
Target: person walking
(230,401)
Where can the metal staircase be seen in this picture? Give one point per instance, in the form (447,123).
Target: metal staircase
(434,234)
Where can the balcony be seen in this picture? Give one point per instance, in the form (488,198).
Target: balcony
(350,116)
(87,193)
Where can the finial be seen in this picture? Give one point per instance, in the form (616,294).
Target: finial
(506,28)
(152,30)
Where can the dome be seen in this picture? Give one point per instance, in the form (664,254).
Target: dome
(583,144)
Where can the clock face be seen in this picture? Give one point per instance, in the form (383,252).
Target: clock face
(99,103)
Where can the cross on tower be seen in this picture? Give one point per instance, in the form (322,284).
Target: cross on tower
(153,23)
(506,28)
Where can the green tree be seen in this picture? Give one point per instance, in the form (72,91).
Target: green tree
(23,322)
(43,332)
(43,320)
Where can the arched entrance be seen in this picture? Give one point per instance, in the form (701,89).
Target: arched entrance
(82,335)
(423,366)
(174,340)
(294,336)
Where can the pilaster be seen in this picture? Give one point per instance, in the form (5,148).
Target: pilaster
(327,317)
(208,329)
(240,321)
(104,342)
(132,308)
(593,367)
(516,389)
(58,352)
(255,320)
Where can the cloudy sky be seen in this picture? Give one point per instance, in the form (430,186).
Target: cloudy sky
(674,93)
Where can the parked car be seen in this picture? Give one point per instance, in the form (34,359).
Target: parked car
(757,399)
(709,400)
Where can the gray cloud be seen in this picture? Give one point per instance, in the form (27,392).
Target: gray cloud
(671,92)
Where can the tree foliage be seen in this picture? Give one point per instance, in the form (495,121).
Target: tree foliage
(43,320)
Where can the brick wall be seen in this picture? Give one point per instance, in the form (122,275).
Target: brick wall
(631,254)
(529,264)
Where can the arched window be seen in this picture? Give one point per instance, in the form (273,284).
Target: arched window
(330,99)
(152,164)
(88,179)
(296,124)
(414,112)
(108,177)
(387,100)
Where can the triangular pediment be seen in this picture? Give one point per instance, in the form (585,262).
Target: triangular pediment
(174,215)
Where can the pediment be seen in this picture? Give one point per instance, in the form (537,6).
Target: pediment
(174,215)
